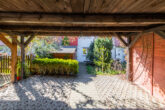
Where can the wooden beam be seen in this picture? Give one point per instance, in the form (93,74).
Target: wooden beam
(121,39)
(29,40)
(15,40)
(154,28)
(13,59)
(74,33)
(161,34)
(18,28)
(25,17)
(134,40)
(131,34)
(5,41)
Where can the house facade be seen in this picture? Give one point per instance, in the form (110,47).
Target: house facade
(82,47)
(118,51)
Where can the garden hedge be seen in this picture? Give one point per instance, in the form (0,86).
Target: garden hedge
(46,66)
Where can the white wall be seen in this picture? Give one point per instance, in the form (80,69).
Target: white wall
(118,53)
(83,42)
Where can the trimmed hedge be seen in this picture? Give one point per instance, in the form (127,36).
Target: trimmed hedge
(46,66)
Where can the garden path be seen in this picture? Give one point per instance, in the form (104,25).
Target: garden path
(82,92)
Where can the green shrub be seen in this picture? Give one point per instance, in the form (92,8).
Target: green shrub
(96,71)
(46,66)
(102,53)
(99,53)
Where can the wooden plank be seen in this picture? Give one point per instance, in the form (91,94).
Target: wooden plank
(86,5)
(63,6)
(77,6)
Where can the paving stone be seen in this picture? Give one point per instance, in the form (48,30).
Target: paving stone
(82,92)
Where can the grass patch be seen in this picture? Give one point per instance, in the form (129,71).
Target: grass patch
(96,71)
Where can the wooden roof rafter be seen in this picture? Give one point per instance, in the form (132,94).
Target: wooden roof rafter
(87,17)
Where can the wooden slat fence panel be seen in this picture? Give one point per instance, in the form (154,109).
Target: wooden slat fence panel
(5,67)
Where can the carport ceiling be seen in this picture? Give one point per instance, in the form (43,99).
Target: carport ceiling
(81,17)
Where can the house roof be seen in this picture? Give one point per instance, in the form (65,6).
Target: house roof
(65,50)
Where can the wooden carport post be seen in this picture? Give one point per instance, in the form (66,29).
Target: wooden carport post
(126,44)
(13,48)
(22,57)
(23,45)
(128,59)
(130,42)
(14,59)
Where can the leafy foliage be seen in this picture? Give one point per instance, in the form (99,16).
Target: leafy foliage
(65,41)
(42,47)
(43,52)
(96,71)
(26,69)
(46,66)
(90,54)
(102,53)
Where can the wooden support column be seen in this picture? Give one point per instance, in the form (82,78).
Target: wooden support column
(13,59)
(22,58)
(13,48)
(130,43)
(128,60)
(23,45)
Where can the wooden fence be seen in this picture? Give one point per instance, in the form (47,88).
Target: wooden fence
(5,67)
(5,64)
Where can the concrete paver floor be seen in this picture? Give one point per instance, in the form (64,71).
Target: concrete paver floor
(82,92)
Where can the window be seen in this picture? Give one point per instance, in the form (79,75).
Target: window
(84,51)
